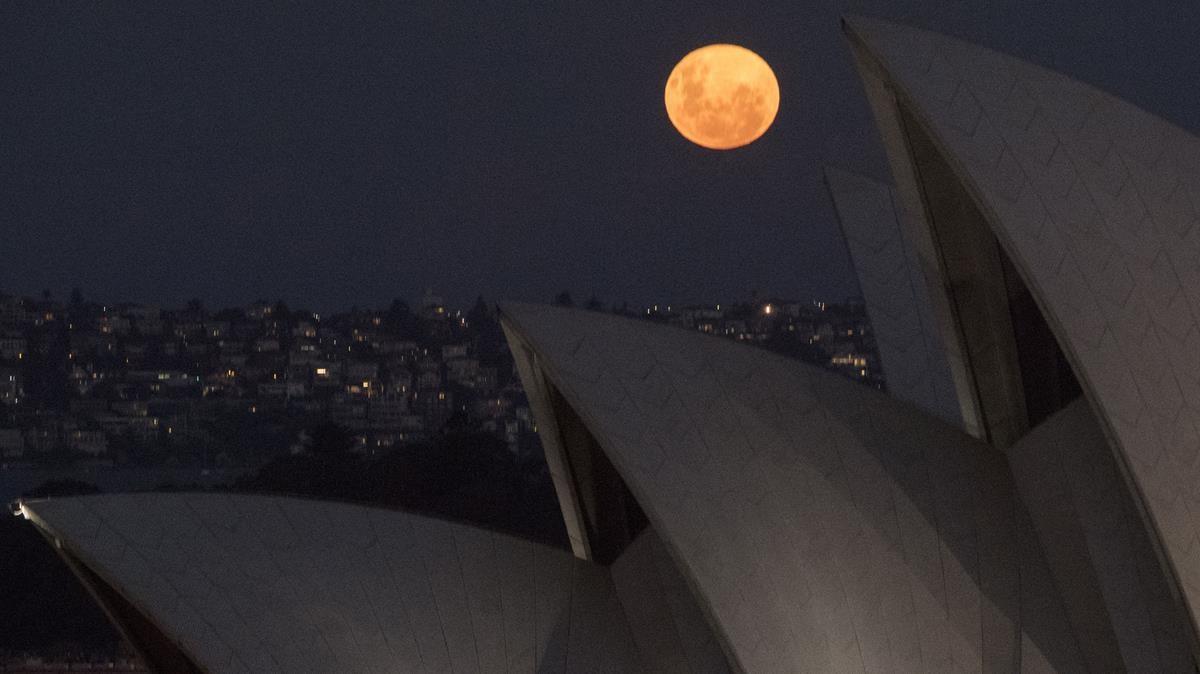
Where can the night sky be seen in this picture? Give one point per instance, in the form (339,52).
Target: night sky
(331,157)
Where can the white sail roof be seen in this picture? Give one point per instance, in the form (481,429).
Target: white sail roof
(1096,203)
(823,525)
(262,584)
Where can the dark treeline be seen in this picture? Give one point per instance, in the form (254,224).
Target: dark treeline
(461,475)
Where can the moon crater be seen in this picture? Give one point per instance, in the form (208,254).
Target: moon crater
(722,96)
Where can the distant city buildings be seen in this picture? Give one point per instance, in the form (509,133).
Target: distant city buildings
(129,383)
(123,663)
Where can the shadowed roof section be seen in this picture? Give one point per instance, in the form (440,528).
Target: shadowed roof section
(915,362)
(822,525)
(241,583)
(1095,202)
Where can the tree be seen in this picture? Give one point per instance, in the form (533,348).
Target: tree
(330,439)
(563,299)
(399,310)
(402,322)
(594,304)
(479,315)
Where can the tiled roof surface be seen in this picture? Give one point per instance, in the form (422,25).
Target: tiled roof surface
(1096,202)
(824,525)
(264,584)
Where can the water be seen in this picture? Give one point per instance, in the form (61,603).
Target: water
(15,480)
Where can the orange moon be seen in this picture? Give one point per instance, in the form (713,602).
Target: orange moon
(722,96)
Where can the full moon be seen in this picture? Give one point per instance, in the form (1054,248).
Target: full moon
(722,96)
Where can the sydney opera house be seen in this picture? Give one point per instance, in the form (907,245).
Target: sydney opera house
(1019,500)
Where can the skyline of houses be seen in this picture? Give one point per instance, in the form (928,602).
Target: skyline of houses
(138,384)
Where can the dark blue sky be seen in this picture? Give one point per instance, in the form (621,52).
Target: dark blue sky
(150,152)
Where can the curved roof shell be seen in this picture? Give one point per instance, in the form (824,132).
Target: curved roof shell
(822,525)
(239,583)
(1095,202)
